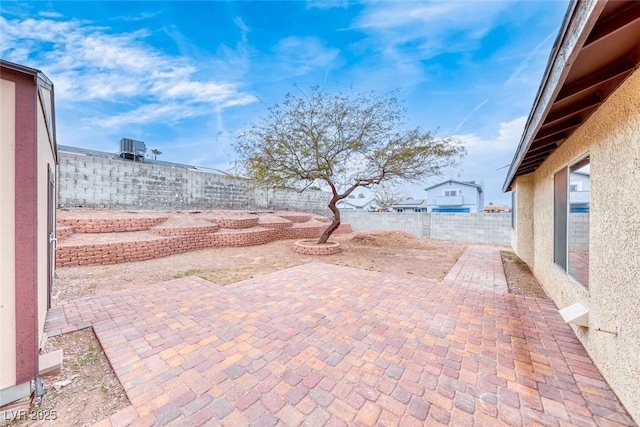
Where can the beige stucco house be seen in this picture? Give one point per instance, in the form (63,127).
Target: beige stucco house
(575,179)
(27,223)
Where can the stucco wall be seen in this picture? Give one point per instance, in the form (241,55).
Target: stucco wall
(471,228)
(611,137)
(522,236)
(7,234)
(96,182)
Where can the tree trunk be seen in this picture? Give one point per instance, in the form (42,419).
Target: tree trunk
(334,224)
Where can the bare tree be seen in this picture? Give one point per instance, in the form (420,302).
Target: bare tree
(344,141)
(387,194)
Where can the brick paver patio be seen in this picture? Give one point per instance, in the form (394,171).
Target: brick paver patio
(327,345)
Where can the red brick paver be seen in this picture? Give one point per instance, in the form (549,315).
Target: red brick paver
(326,345)
(479,267)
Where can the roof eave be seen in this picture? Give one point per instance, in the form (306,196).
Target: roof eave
(578,22)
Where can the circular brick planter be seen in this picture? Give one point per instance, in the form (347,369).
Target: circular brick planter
(311,247)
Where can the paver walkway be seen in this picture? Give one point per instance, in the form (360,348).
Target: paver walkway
(479,267)
(326,345)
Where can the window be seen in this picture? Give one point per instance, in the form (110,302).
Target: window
(572,206)
(560,218)
(449,193)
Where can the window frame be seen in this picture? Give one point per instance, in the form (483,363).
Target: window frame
(562,211)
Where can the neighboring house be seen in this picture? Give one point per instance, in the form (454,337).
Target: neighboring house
(455,196)
(419,205)
(358,203)
(574,181)
(27,224)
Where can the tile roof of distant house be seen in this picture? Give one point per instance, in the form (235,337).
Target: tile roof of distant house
(357,201)
(410,203)
(494,208)
(470,183)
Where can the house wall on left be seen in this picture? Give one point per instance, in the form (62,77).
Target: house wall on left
(7,233)
(27,161)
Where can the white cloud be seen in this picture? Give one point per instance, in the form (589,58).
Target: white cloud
(424,30)
(141,17)
(298,55)
(46,14)
(90,63)
(506,138)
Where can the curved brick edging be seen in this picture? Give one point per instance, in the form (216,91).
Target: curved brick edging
(185,231)
(244,238)
(310,247)
(274,222)
(121,252)
(110,225)
(276,225)
(63,231)
(294,217)
(178,239)
(234,223)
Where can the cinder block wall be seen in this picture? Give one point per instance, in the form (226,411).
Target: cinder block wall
(579,231)
(96,182)
(473,228)
(413,223)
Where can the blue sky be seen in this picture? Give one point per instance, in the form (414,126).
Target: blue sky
(186,77)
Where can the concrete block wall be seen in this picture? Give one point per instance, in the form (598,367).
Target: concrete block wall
(492,228)
(473,228)
(96,182)
(412,223)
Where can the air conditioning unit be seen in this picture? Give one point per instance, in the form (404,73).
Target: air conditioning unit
(132,149)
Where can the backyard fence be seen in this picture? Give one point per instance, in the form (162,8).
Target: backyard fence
(492,228)
(108,183)
(97,182)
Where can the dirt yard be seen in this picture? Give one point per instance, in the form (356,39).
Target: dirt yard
(520,280)
(93,391)
(385,251)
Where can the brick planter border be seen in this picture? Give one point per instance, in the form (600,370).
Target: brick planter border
(239,231)
(310,247)
(110,225)
(234,223)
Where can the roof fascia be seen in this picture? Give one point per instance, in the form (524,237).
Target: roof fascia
(578,23)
